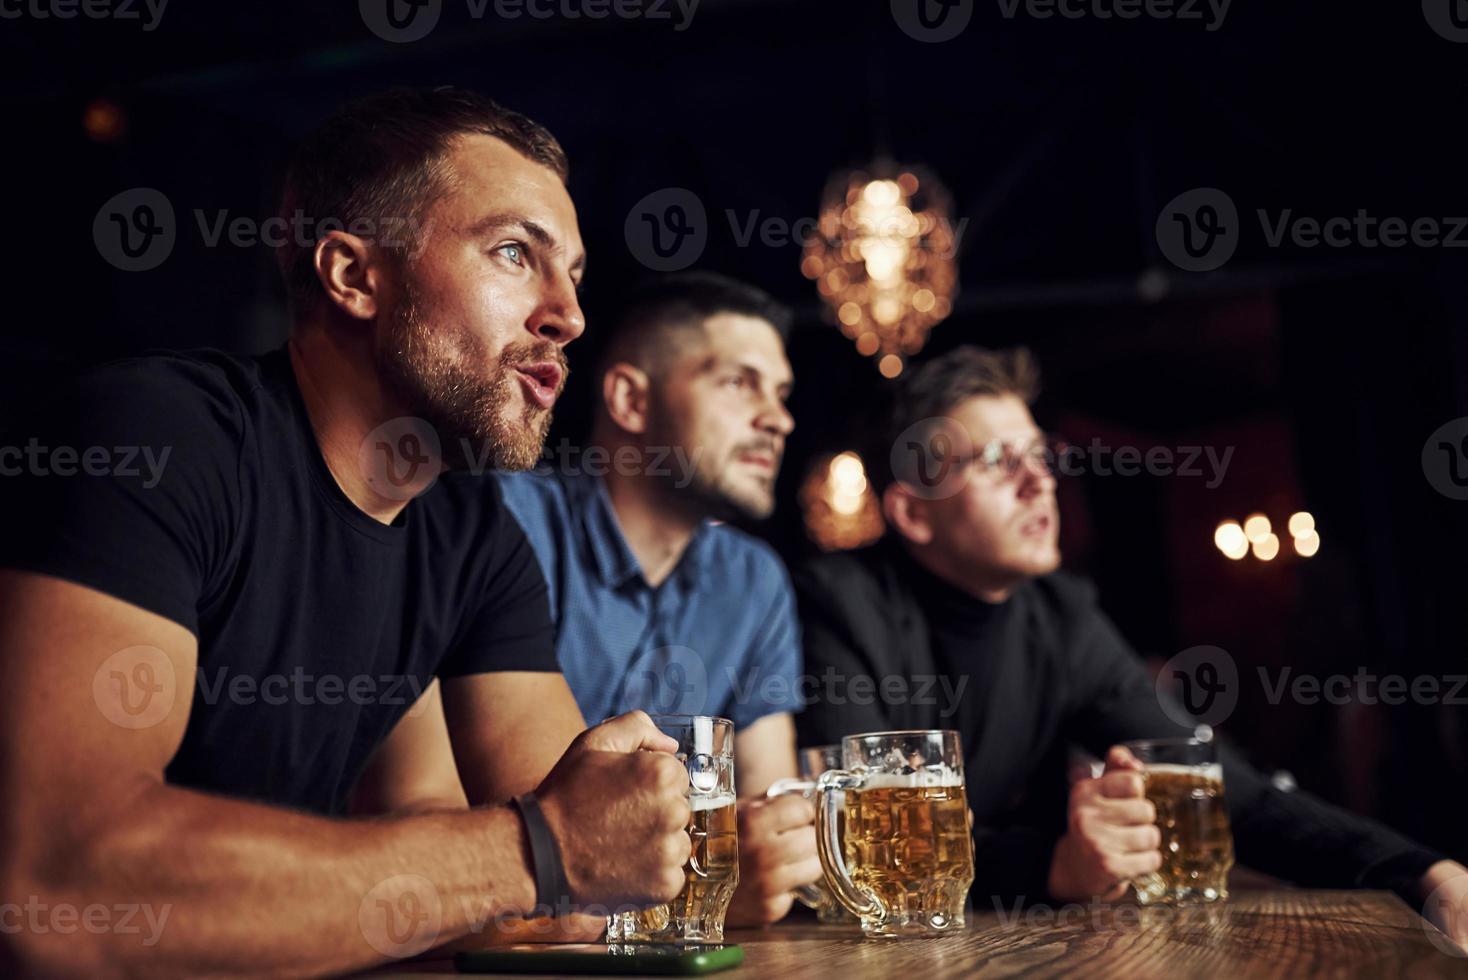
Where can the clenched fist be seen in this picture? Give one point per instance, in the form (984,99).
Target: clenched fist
(1111,836)
(617,803)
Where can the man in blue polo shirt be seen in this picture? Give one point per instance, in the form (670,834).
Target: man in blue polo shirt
(658,604)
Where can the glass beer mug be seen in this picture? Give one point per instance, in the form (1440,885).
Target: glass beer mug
(706,748)
(906,861)
(1184,780)
(814,762)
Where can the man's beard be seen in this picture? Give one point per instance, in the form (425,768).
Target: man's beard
(724,499)
(439,381)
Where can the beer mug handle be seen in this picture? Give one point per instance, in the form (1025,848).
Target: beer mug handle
(862,902)
(809,895)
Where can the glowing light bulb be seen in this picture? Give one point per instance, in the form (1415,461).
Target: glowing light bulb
(1230,539)
(1266,547)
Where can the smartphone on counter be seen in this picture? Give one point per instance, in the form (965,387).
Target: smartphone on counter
(603,958)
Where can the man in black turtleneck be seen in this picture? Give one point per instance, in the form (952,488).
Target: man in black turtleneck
(959,619)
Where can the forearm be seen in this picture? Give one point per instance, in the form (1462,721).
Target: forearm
(1297,836)
(222,887)
(1302,838)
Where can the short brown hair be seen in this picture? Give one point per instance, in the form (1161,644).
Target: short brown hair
(656,310)
(939,386)
(380,158)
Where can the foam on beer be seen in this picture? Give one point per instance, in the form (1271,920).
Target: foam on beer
(940,778)
(1213,770)
(697,801)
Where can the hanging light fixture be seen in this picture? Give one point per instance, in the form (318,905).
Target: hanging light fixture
(883,259)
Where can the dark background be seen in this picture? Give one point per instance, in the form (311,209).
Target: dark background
(1325,369)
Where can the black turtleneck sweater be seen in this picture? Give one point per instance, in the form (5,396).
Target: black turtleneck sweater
(1025,682)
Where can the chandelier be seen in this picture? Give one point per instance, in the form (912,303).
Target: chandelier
(883,259)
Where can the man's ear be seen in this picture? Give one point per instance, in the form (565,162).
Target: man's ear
(625,390)
(908,514)
(349,274)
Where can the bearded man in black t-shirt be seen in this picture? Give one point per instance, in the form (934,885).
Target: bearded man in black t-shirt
(963,604)
(247,602)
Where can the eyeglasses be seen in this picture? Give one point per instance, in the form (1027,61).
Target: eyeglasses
(1002,462)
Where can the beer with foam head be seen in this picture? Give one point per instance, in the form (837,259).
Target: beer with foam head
(706,746)
(893,832)
(907,841)
(1184,782)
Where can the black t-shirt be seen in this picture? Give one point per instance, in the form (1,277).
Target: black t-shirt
(195,488)
(1022,682)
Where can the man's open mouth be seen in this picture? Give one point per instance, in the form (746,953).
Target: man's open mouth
(542,382)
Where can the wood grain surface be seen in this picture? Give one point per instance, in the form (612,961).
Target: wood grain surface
(1278,933)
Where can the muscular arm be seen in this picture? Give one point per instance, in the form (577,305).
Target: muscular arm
(413,770)
(508,729)
(88,820)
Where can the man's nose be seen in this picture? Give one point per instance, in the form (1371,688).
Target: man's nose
(558,318)
(775,417)
(1035,474)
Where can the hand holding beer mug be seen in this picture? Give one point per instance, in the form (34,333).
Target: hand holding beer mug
(814,762)
(1183,779)
(706,748)
(907,860)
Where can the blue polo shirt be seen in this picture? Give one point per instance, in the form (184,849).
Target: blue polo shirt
(718,636)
